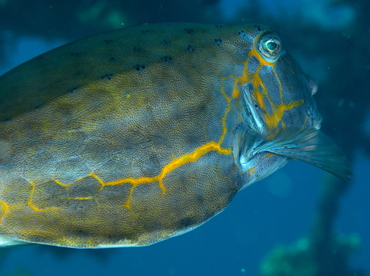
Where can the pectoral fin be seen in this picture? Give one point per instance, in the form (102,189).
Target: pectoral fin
(310,146)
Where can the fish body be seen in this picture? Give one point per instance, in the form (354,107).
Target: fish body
(134,136)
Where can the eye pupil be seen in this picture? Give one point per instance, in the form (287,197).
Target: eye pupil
(271,45)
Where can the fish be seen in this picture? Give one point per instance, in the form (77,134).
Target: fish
(140,134)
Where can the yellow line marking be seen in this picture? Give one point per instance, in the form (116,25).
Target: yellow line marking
(5,209)
(271,120)
(81,198)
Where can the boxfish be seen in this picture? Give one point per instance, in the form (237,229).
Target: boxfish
(137,135)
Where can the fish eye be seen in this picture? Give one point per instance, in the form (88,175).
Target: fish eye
(270,47)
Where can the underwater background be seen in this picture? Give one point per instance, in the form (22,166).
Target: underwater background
(298,221)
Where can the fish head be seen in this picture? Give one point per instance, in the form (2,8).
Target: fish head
(281,119)
(277,93)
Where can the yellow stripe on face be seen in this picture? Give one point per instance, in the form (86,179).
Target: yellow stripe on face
(268,99)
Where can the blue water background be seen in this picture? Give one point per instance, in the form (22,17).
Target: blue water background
(266,214)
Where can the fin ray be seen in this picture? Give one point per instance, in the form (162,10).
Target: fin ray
(310,146)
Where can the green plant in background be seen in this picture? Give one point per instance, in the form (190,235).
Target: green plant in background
(323,252)
(299,259)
